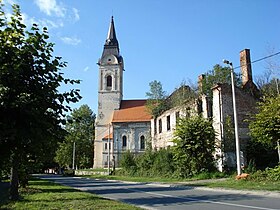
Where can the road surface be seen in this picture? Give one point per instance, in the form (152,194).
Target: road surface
(155,196)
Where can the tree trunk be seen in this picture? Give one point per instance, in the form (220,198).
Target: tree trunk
(14,194)
(278,149)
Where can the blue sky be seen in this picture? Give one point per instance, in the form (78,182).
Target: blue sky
(168,41)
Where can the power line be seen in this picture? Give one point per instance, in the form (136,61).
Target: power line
(260,59)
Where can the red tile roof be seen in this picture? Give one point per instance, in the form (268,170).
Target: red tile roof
(132,111)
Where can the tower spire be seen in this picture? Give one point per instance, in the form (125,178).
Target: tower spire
(111,45)
(111,37)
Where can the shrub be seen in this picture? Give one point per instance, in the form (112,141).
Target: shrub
(194,146)
(69,172)
(163,163)
(251,168)
(269,174)
(127,161)
(273,174)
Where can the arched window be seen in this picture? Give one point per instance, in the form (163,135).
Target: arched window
(142,142)
(109,82)
(124,141)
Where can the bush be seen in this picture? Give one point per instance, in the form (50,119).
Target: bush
(163,163)
(269,174)
(127,162)
(251,168)
(69,172)
(273,174)
(194,146)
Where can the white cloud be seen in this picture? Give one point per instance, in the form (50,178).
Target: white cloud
(70,40)
(29,21)
(51,7)
(86,68)
(76,14)
(51,24)
(10,2)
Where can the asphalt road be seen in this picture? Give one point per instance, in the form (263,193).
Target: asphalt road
(155,196)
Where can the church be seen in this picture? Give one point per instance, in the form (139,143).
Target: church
(121,125)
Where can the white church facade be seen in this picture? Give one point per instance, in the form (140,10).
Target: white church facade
(121,124)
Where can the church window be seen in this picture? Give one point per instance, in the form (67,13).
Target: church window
(168,122)
(105,146)
(142,142)
(109,82)
(124,141)
(159,126)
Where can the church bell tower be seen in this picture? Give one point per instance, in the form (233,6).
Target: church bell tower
(110,91)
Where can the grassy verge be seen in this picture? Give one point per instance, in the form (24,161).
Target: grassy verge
(243,185)
(134,178)
(124,177)
(229,183)
(43,194)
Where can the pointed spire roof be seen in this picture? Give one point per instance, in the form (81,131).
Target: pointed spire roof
(111,45)
(111,37)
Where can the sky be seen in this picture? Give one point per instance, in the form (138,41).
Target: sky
(169,41)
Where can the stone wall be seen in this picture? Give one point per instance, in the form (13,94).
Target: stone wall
(223,109)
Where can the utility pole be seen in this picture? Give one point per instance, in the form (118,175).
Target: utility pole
(238,164)
(109,149)
(74,150)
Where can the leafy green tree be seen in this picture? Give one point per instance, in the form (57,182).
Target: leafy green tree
(194,146)
(31,107)
(265,126)
(182,96)
(217,75)
(128,163)
(156,103)
(80,129)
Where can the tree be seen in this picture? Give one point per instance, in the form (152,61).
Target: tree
(31,107)
(268,85)
(265,125)
(217,75)
(194,146)
(156,98)
(184,96)
(80,128)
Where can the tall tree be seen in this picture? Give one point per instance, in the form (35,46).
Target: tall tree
(156,98)
(80,129)
(31,107)
(268,84)
(265,126)
(217,75)
(194,146)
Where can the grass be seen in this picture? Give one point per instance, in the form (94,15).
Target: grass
(243,185)
(158,178)
(43,194)
(229,183)
(133,178)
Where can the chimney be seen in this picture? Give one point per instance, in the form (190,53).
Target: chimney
(246,69)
